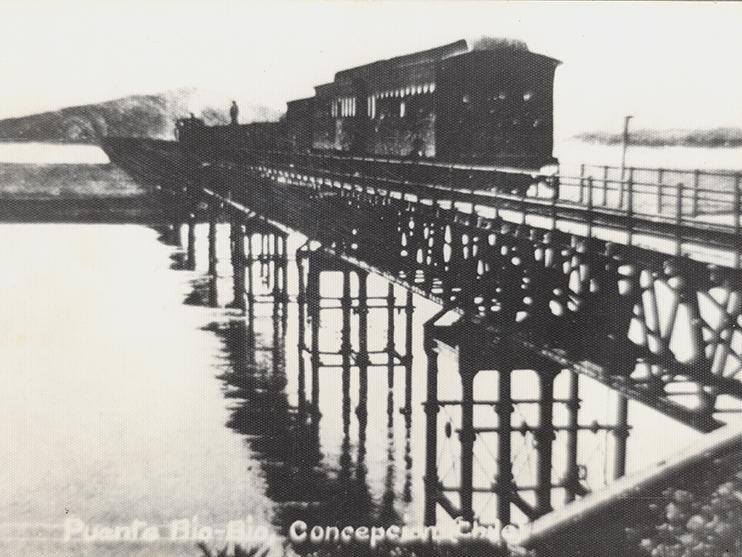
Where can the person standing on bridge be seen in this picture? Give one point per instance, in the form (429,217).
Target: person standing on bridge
(234,112)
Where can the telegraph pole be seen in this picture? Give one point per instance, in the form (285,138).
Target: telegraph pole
(624,146)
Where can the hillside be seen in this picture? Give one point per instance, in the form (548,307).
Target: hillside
(150,116)
(716,137)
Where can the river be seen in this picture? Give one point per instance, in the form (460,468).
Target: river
(129,395)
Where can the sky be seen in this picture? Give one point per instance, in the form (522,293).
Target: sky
(670,64)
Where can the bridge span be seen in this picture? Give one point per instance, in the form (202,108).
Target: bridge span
(634,285)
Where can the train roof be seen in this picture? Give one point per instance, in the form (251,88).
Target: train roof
(324,89)
(432,55)
(302,100)
(417,69)
(421,57)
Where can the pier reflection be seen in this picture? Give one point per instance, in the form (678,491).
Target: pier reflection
(319,354)
(313,462)
(522,441)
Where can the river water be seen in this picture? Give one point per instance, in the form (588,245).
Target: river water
(129,395)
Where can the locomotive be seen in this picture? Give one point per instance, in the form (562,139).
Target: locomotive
(487,103)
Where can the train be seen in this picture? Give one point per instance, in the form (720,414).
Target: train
(483,103)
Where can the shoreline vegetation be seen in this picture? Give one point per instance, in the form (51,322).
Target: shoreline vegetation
(713,138)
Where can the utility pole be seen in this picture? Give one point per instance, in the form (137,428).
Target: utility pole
(624,146)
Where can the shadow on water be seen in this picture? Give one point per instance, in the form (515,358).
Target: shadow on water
(305,483)
(203,292)
(361,480)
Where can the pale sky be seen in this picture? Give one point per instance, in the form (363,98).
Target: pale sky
(670,64)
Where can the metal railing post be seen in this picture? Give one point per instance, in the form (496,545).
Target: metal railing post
(696,184)
(605,186)
(590,207)
(630,207)
(736,216)
(660,173)
(582,179)
(679,221)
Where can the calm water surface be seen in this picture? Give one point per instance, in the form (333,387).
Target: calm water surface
(129,392)
(121,401)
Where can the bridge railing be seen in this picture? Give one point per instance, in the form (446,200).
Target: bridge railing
(677,211)
(708,192)
(651,191)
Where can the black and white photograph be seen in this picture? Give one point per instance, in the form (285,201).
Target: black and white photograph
(324,278)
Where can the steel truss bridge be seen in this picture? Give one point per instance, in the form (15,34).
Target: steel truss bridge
(634,284)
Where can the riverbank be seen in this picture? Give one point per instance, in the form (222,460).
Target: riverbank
(705,138)
(72,193)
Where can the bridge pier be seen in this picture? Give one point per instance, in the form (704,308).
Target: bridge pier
(621,435)
(543,437)
(467,436)
(237,244)
(362,359)
(353,354)
(213,213)
(479,351)
(571,472)
(191,242)
(504,478)
(432,408)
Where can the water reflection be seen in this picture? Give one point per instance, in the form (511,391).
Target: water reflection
(509,445)
(307,483)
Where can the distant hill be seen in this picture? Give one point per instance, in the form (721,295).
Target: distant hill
(151,116)
(716,137)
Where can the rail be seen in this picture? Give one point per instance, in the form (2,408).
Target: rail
(553,201)
(706,195)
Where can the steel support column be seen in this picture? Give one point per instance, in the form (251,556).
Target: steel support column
(621,434)
(571,473)
(362,359)
(237,237)
(409,312)
(191,242)
(467,436)
(504,479)
(544,436)
(431,426)
(213,218)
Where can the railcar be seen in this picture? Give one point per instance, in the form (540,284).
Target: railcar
(462,107)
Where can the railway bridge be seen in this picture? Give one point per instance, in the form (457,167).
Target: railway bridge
(633,282)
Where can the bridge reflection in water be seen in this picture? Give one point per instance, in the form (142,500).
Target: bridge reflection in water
(504,442)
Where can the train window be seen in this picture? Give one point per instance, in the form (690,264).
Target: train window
(527,96)
(402,108)
(466,99)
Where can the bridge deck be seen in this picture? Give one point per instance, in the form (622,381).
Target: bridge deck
(648,304)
